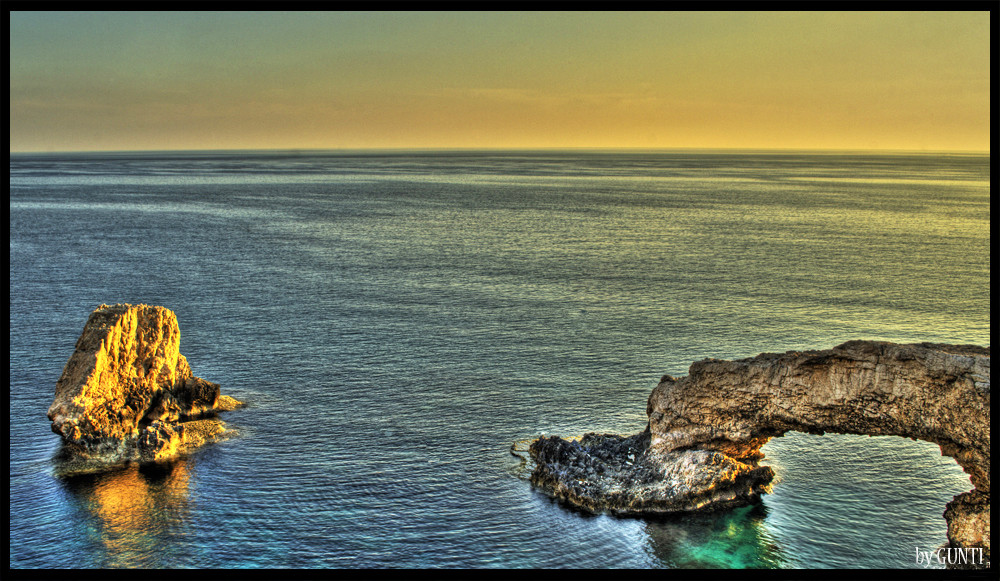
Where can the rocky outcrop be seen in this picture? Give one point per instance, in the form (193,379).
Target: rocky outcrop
(624,476)
(128,394)
(706,429)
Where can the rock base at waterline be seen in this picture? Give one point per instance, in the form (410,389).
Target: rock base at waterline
(622,475)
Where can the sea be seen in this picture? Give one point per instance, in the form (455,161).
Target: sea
(400,323)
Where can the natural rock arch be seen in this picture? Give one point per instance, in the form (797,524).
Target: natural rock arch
(702,445)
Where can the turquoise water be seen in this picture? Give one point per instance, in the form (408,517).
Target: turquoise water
(396,320)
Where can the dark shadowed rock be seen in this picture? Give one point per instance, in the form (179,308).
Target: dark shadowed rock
(625,476)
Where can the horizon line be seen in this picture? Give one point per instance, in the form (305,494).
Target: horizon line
(634,149)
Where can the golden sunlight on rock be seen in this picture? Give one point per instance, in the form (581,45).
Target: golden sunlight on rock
(128,394)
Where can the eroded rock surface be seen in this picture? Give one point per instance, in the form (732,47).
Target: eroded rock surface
(625,476)
(706,429)
(127,393)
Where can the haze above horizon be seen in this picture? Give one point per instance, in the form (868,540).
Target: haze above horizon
(110,81)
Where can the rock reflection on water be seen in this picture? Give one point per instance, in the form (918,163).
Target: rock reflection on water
(133,511)
(733,539)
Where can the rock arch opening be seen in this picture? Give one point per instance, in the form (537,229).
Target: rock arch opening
(826,485)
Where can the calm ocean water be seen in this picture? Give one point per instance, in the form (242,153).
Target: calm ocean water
(396,320)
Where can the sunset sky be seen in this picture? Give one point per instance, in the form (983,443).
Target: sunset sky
(157,81)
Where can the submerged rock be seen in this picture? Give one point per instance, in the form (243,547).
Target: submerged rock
(701,447)
(127,393)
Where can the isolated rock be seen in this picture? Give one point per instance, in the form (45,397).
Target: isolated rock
(126,391)
(706,429)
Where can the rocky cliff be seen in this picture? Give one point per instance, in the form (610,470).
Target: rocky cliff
(701,448)
(127,393)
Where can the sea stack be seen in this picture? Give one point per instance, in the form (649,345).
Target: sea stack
(127,393)
(701,447)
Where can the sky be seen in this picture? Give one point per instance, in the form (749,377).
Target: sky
(111,81)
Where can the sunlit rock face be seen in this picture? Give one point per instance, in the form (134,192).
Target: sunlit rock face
(702,445)
(126,393)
